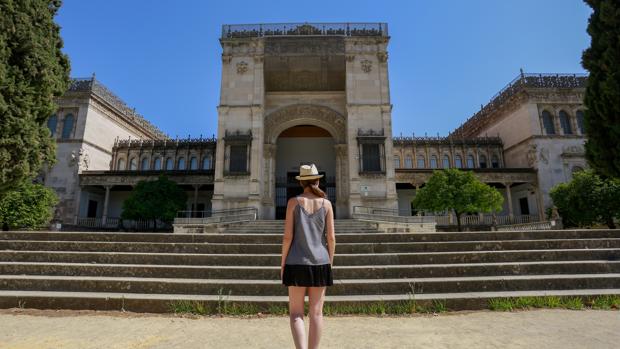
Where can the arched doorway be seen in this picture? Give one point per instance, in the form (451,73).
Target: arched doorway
(298,145)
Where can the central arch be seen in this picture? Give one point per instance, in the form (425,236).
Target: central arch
(297,116)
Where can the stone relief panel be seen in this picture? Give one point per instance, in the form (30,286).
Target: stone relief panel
(326,116)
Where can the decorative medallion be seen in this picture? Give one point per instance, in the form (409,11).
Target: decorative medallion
(366,66)
(242,67)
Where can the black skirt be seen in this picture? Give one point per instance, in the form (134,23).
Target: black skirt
(307,275)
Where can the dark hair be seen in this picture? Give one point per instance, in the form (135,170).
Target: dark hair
(314,186)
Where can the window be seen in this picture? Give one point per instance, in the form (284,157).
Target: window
(483,161)
(145,164)
(409,161)
(132,164)
(51,124)
(181,164)
(421,161)
(494,161)
(458,161)
(169,164)
(67,126)
(433,161)
(193,163)
(206,162)
(396,161)
(371,157)
(565,123)
(470,161)
(547,119)
(157,164)
(120,164)
(446,161)
(580,116)
(238,158)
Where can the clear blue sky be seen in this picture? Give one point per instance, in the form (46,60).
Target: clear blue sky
(445,57)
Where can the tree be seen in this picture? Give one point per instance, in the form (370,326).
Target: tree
(33,71)
(152,200)
(457,190)
(587,199)
(27,206)
(602,97)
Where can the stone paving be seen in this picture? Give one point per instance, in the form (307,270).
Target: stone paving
(25,328)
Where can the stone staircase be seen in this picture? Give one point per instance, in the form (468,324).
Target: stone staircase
(146,271)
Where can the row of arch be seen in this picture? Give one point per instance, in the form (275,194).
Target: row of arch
(470,162)
(568,124)
(168,164)
(67,125)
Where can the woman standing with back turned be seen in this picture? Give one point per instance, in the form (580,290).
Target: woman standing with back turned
(308,250)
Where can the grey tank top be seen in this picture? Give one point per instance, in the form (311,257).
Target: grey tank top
(309,245)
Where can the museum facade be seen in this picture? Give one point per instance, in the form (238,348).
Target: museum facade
(313,93)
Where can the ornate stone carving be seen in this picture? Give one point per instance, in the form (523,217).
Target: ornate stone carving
(242,67)
(350,58)
(366,66)
(531,156)
(84,159)
(323,114)
(544,155)
(288,46)
(382,56)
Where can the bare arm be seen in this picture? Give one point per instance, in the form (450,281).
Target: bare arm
(331,233)
(287,239)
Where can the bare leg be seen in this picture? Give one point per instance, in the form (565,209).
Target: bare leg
(315,313)
(296,297)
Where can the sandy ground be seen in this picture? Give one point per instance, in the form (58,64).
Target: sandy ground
(23,328)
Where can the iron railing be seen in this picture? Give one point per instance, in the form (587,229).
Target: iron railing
(241,214)
(389,215)
(303,29)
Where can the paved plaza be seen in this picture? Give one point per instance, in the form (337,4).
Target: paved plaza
(484,329)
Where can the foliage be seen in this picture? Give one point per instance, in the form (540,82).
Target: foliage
(457,190)
(159,199)
(27,206)
(588,199)
(33,71)
(602,98)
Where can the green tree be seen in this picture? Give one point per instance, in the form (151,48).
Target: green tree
(587,199)
(27,206)
(457,190)
(152,200)
(33,71)
(602,98)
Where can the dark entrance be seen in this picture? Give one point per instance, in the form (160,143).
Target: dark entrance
(289,187)
(92,209)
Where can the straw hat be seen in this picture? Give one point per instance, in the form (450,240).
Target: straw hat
(308,172)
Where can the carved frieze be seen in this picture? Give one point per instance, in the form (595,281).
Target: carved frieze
(304,46)
(305,111)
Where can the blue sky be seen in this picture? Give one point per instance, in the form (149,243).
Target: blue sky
(445,57)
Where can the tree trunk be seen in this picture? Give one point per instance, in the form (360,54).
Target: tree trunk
(458,220)
(610,222)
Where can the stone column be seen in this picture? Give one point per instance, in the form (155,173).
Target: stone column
(196,187)
(106,199)
(269,185)
(341,180)
(509,198)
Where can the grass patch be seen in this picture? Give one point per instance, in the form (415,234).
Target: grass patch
(554,302)
(606,302)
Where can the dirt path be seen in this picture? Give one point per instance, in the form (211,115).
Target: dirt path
(529,329)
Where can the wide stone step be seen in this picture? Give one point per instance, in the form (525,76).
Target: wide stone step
(161,303)
(339,259)
(339,272)
(342,248)
(276,288)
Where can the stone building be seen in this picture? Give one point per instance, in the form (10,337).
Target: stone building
(295,94)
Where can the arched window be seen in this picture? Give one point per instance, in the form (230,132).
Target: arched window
(67,126)
(547,119)
(458,161)
(446,161)
(157,164)
(396,161)
(145,164)
(494,161)
(206,163)
(120,164)
(408,161)
(133,164)
(470,161)
(433,161)
(421,161)
(565,123)
(483,161)
(193,163)
(169,164)
(580,116)
(181,164)
(51,124)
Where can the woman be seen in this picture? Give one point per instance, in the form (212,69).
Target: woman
(307,255)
